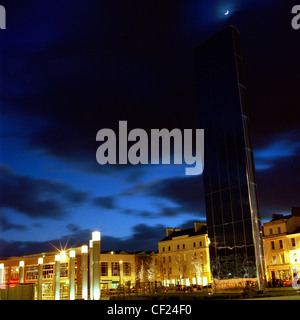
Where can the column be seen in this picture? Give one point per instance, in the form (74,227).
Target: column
(21,272)
(40,279)
(2,276)
(96,266)
(72,274)
(57,277)
(84,274)
(91,269)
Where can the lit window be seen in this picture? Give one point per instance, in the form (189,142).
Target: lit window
(115,269)
(293,242)
(104,269)
(127,269)
(272,245)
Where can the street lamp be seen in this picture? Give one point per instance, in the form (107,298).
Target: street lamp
(57,277)
(72,274)
(84,257)
(96,237)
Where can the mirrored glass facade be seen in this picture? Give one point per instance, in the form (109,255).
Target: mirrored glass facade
(229,178)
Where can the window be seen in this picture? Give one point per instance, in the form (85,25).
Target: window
(31,272)
(169,248)
(64,270)
(155,262)
(169,258)
(178,247)
(282,259)
(270,232)
(48,271)
(104,269)
(272,245)
(279,230)
(293,242)
(170,270)
(200,244)
(127,269)
(164,259)
(115,269)
(194,245)
(274,260)
(163,249)
(183,246)
(280,244)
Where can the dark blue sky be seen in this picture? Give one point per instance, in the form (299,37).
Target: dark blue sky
(70,68)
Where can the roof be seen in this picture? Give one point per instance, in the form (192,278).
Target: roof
(190,232)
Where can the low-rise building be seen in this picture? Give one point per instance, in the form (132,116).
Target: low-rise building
(183,257)
(281,238)
(116,267)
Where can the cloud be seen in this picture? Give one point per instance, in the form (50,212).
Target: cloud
(5,224)
(37,197)
(284,145)
(144,237)
(108,202)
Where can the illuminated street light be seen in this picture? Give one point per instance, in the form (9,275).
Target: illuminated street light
(57,277)
(96,236)
(91,269)
(21,272)
(72,274)
(84,260)
(40,279)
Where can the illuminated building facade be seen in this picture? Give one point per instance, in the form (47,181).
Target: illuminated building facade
(116,267)
(183,257)
(282,247)
(232,213)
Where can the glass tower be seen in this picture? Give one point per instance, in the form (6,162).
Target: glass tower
(232,212)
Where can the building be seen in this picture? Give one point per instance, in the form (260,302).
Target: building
(116,267)
(232,213)
(183,257)
(282,246)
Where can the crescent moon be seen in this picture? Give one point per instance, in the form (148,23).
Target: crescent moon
(226,13)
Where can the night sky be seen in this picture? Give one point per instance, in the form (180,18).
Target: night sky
(71,68)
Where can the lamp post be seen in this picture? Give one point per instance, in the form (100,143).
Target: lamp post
(84,275)
(40,279)
(91,269)
(96,236)
(72,274)
(57,277)
(21,272)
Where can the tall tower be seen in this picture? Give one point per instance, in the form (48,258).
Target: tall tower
(232,212)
